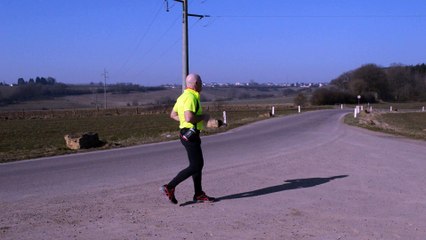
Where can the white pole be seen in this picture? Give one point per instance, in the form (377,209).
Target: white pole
(341,106)
(390,109)
(298,109)
(355,111)
(273,111)
(371,108)
(224,117)
(423,109)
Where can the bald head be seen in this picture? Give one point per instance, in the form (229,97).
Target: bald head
(193,81)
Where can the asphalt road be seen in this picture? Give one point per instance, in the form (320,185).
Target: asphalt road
(305,176)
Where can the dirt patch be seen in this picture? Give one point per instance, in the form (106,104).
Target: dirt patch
(373,120)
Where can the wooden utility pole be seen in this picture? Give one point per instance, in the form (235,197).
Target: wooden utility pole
(185,49)
(105,75)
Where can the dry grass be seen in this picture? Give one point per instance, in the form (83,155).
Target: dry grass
(408,124)
(27,135)
(152,98)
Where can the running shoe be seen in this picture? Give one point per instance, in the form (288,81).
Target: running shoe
(170,193)
(202,197)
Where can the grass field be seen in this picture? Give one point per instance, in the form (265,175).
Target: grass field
(165,96)
(32,134)
(42,134)
(408,124)
(37,128)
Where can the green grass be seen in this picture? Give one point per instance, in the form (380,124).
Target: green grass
(29,138)
(39,137)
(411,124)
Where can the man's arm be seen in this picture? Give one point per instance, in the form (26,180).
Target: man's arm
(194,119)
(174,115)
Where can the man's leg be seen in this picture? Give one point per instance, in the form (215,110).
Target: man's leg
(196,155)
(196,163)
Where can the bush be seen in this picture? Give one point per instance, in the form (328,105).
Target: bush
(324,96)
(300,100)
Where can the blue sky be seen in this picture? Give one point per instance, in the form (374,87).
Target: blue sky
(138,41)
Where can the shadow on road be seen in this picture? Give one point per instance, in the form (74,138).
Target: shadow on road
(288,185)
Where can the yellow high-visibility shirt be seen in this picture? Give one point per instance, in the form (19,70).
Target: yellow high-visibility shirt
(189,100)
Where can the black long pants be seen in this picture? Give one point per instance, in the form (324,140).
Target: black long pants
(196,163)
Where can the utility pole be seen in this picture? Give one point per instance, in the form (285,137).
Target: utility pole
(105,75)
(185,55)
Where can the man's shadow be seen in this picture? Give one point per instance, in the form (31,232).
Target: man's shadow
(288,185)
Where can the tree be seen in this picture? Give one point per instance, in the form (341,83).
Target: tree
(343,80)
(253,83)
(375,79)
(358,86)
(50,81)
(21,81)
(395,83)
(41,80)
(399,79)
(300,100)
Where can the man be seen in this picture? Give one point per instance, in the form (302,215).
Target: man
(187,111)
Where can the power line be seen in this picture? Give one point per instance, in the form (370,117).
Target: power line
(161,37)
(319,16)
(167,49)
(140,40)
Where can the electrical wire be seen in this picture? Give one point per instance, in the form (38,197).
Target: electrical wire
(157,41)
(140,40)
(320,16)
(157,58)
(167,49)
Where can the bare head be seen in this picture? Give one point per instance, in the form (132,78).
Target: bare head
(193,81)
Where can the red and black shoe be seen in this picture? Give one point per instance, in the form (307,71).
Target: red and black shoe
(202,197)
(170,193)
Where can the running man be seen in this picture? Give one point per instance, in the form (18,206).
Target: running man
(187,111)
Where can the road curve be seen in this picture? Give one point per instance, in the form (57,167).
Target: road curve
(305,176)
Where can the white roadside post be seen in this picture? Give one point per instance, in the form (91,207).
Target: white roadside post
(273,111)
(423,109)
(341,106)
(355,111)
(298,109)
(224,117)
(390,109)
